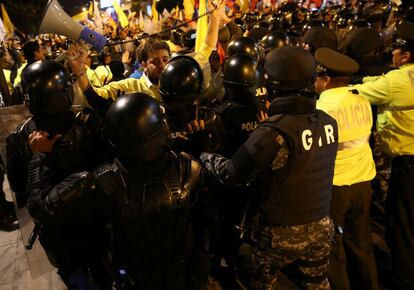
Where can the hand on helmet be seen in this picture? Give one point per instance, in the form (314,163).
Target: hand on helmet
(40,143)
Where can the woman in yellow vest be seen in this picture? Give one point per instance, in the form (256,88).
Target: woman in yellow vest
(354,169)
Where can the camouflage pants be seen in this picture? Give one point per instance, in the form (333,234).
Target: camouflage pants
(275,247)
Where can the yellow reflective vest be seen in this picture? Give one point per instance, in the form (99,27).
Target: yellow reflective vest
(394,93)
(354,162)
(104,74)
(18,78)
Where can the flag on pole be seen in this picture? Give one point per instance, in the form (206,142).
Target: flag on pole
(141,20)
(8,25)
(91,9)
(123,20)
(188,9)
(97,18)
(202,25)
(3,31)
(244,5)
(154,12)
(80,16)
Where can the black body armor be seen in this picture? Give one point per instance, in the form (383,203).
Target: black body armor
(152,227)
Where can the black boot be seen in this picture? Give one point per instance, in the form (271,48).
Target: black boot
(8,222)
(8,219)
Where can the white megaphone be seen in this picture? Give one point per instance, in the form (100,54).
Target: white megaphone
(56,20)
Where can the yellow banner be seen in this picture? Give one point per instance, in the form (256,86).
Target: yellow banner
(6,20)
(154,12)
(202,25)
(188,9)
(80,16)
(123,20)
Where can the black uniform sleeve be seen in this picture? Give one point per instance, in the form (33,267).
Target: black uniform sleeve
(256,154)
(97,101)
(51,201)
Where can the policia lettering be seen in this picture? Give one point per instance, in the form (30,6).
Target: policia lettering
(249,126)
(307,139)
(352,116)
(260,92)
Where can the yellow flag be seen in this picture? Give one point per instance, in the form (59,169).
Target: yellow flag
(188,9)
(6,20)
(154,12)
(80,16)
(123,20)
(202,25)
(243,4)
(90,10)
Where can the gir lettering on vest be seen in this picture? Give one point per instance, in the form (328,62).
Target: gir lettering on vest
(325,139)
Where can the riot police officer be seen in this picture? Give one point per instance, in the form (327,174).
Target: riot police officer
(194,128)
(147,194)
(248,46)
(240,111)
(62,144)
(294,153)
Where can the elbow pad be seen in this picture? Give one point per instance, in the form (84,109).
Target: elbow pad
(75,190)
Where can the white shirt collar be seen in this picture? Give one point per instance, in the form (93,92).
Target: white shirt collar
(147,80)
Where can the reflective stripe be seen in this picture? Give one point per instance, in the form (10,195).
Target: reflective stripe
(354,143)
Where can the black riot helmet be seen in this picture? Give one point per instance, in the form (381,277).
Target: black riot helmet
(241,77)
(180,84)
(275,39)
(358,23)
(244,45)
(289,68)
(317,37)
(137,129)
(46,86)
(312,23)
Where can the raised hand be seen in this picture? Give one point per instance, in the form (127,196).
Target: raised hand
(77,54)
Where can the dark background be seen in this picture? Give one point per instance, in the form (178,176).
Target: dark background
(26,14)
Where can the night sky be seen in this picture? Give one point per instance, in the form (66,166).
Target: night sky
(73,7)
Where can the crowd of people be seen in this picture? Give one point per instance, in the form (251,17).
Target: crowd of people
(157,165)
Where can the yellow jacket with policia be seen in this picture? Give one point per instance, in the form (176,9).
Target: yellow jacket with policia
(354,162)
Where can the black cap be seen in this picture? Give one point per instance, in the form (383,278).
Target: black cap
(405,35)
(334,63)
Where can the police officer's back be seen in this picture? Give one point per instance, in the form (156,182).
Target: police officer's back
(354,170)
(293,152)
